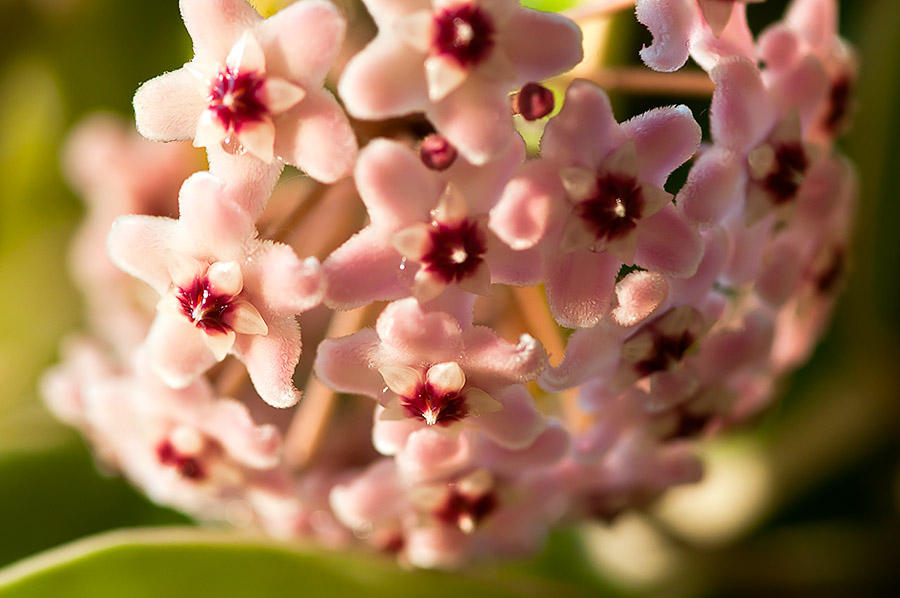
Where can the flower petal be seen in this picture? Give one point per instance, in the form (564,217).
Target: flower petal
(302,40)
(580,286)
(476,119)
(491,363)
(177,350)
(410,335)
(344,364)
(139,245)
(271,361)
(558,50)
(714,187)
(386,79)
(671,22)
(518,424)
(741,114)
(364,269)
(394,184)
(213,226)
(281,282)
(668,244)
(216,25)
(665,138)
(585,130)
(168,107)
(522,215)
(316,137)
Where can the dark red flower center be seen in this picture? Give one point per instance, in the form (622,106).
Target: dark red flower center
(464,32)
(790,167)
(667,351)
(434,406)
(236,99)
(188,467)
(465,511)
(615,207)
(205,308)
(456,250)
(533,101)
(838,103)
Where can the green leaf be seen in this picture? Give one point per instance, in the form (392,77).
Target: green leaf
(175,562)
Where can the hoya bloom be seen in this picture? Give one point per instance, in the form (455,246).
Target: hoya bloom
(427,230)
(434,378)
(595,201)
(760,151)
(805,49)
(188,449)
(254,87)
(703,29)
(223,290)
(456,61)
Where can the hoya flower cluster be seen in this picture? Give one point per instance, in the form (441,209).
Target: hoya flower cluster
(435,424)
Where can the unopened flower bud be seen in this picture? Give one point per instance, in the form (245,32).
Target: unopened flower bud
(533,101)
(437,153)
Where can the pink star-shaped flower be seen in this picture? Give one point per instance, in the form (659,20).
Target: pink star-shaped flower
(254,87)
(706,30)
(805,50)
(760,154)
(437,378)
(223,290)
(457,60)
(427,231)
(595,201)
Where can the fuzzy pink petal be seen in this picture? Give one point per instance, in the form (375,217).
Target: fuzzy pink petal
(454,302)
(559,48)
(248,180)
(177,351)
(508,266)
(394,184)
(779,46)
(390,436)
(714,187)
(693,290)
(668,244)
(281,281)
(272,359)
(547,449)
(168,107)
(316,137)
(585,130)
(369,499)
(139,245)
(522,215)
(216,25)
(302,41)
(366,268)
(476,119)
(671,22)
(436,547)
(386,79)
(491,363)
(344,364)
(804,88)
(518,424)
(385,11)
(215,226)
(409,333)
(580,286)
(432,454)
(481,186)
(638,295)
(665,139)
(741,114)
(230,422)
(736,39)
(590,353)
(815,20)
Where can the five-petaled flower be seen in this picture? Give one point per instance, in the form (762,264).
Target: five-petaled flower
(223,290)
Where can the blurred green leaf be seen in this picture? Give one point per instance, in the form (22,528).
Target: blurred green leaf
(56,495)
(551,5)
(188,562)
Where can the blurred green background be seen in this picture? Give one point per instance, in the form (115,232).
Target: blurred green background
(807,501)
